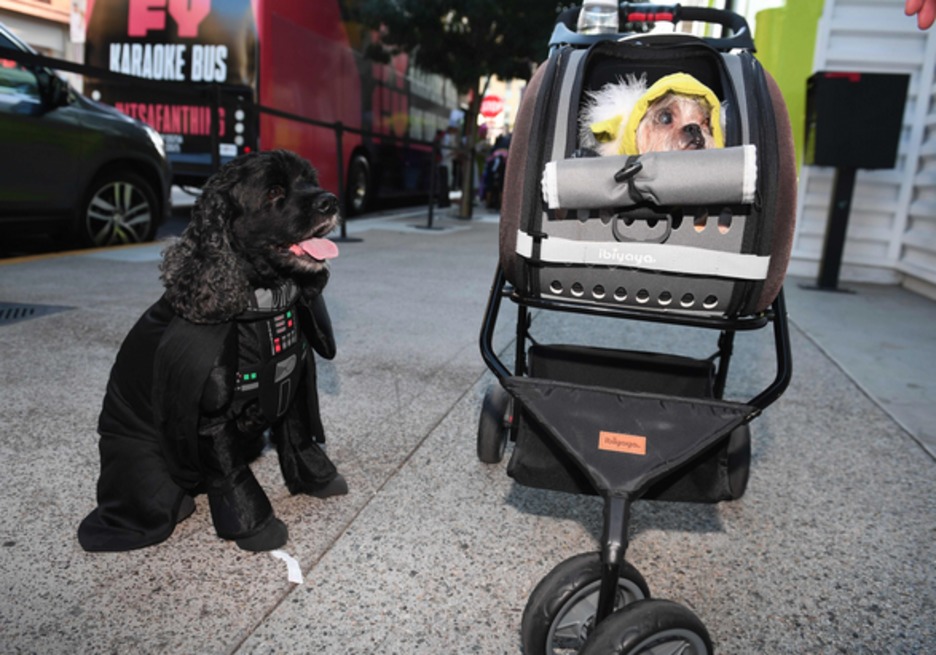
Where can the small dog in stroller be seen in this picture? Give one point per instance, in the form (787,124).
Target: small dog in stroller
(626,117)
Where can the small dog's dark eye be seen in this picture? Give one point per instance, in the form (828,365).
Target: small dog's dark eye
(275,193)
(665,117)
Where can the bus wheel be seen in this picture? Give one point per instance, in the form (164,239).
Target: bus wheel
(359,188)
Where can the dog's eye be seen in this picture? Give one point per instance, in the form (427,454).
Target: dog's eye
(275,193)
(665,117)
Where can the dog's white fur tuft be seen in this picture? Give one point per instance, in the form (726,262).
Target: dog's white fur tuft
(607,102)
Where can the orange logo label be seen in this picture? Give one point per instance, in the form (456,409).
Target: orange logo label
(631,444)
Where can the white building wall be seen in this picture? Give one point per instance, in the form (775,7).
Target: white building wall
(892,226)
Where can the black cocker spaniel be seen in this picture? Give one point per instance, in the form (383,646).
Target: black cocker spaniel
(220,361)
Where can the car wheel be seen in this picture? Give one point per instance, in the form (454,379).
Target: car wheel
(359,192)
(119,208)
(560,613)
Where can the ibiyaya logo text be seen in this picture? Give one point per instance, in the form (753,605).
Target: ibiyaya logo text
(627,258)
(617,442)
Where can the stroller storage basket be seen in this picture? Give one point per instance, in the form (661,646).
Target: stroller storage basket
(537,461)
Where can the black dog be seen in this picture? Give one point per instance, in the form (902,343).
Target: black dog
(220,359)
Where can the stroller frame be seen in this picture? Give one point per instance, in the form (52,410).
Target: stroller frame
(614,540)
(617,501)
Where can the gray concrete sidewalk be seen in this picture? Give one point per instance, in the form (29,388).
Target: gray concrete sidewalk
(432,552)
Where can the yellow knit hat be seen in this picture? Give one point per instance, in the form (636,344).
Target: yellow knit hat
(681,83)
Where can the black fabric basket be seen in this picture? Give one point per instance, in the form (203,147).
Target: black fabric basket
(537,461)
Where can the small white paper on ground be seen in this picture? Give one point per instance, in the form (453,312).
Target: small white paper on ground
(294,573)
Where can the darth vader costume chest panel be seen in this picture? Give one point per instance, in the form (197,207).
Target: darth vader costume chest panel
(271,353)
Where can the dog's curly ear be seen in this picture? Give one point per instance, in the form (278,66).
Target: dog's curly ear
(204,278)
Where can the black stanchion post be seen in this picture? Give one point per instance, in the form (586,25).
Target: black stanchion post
(342,191)
(433,187)
(433,181)
(339,169)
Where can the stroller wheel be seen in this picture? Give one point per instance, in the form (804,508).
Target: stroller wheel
(739,460)
(494,425)
(650,627)
(560,614)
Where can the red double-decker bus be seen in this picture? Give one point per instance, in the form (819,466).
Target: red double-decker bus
(267,68)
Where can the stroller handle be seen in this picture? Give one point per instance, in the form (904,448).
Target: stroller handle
(632,14)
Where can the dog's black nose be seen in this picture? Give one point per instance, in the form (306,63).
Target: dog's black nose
(326,203)
(693,130)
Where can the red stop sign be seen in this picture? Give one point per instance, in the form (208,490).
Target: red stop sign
(491,106)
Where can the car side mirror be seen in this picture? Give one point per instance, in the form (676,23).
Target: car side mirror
(52,89)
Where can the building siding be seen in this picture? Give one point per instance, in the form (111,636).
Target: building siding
(892,226)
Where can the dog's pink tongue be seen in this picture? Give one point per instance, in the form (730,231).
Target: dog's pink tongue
(320,249)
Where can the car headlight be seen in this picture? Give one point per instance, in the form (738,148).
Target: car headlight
(157,140)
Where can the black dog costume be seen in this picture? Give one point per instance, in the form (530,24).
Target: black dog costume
(220,359)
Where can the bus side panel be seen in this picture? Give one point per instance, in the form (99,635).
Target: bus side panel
(189,52)
(307,69)
(312,64)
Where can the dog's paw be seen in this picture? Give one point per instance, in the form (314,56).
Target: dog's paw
(186,508)
(337,487)
(271,537)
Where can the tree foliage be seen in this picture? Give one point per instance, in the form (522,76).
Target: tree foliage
(464,40)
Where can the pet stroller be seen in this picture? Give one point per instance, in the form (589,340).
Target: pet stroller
(698,239)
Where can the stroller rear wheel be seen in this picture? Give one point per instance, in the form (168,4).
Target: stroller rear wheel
(560,613)
(494,425)
(650,627)
(739,460)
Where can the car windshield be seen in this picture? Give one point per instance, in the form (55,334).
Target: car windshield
(17,82)
(17,79)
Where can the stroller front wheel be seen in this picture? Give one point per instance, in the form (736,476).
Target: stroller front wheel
(494,425)
(560,613)
(650,627)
